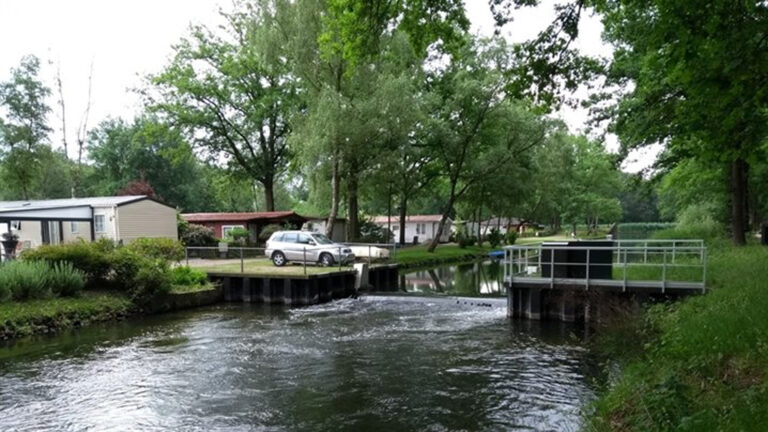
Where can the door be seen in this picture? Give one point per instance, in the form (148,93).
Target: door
(290,246)
(306,243)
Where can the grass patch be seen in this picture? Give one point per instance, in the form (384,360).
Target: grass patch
(419,254)
(48,315)
(183,289)
(704,360)
(265,267)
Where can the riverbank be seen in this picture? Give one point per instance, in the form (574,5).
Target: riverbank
(418,256)
(27,318)
(698,364)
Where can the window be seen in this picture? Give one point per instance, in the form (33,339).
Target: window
(303,239)
(74,227)
(322,239)
(421,228)
(227,228)
(277,237)
(396,228)
(290,238)
(16,225)
(98,223)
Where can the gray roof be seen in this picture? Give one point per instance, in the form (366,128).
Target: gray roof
(108,201)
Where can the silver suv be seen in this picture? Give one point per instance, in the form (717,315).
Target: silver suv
(286,246)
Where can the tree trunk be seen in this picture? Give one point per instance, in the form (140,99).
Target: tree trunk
(353,219)
(441,226)
(269,194)
(403,216)
(334,197)
(738,201)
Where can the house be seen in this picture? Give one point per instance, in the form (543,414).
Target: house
(501,224)
(254,222)
(119,218)
(318,224)
(418,228)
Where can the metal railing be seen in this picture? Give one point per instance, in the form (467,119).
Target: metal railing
(662,264)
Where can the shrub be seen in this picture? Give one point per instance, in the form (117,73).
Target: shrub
(65,280)
(188,276)
(239,235)
(510,237)
(465,240)
(90,258)
(372,233)
(197,236)
(494,238)
(152,278)
(267,231)
(158,248)
(26,280)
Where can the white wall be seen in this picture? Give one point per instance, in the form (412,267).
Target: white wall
(318,226)
(430,230)
(146,218)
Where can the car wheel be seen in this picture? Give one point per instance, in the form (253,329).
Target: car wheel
(326,260)
(278,259)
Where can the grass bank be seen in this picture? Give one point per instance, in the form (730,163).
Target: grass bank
(418,256)
(30,317)
(700,363)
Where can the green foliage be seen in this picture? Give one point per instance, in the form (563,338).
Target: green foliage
(239,235)
(188,276)
(494,238)
(268,230)
(197,235)
(153,278)
(465,240)
(640,230)
(510,237)
(158,248)
(93,259)
(699,355)
(373,233)
(24,280)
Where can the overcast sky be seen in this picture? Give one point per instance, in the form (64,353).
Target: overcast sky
(125,40)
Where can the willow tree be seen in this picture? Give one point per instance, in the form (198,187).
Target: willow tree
(234,93)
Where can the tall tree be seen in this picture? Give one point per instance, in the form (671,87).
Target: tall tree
(233,92)
(24,131)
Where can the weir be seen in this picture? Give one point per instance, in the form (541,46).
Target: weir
(570,280)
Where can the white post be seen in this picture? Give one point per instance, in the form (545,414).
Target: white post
(664,273)
(586,286)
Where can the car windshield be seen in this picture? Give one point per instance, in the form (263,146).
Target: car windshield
(321,239)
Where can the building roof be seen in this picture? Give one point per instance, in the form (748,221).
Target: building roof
(412,218)
(240,217)
(108,201)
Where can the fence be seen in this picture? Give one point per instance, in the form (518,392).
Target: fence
(233,259)
(638,264)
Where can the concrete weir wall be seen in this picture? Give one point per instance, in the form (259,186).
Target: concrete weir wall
(286,290)
(563,305)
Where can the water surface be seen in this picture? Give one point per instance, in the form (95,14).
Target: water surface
(351,365)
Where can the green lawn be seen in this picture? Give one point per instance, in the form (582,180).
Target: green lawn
(265,267)
(183,289)
(699,363)
(445,252)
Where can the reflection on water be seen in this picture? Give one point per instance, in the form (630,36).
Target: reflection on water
(479,278)
(351,365)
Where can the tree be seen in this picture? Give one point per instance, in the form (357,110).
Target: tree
(699,71)
(477,129)
(24,131)
(234,93)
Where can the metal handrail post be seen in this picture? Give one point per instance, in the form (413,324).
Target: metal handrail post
(704,271)
(339,259)
(242,264)
(586,281)
(186,255)
(673,251)
(664,274)
(305,260)
(369,255)
(645,253)
(552,269)
(624,286)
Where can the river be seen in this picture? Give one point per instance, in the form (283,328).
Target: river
(369,364)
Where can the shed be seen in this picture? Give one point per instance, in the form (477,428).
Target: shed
(254,222)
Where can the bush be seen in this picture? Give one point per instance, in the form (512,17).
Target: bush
(188,276)
(65,280)
(510,237)
(197,236)
(465,240)
(494,238)
(158,248)
(24,280)
(267,231)
(239,235)
(152,278)
(372,233)
(93,259)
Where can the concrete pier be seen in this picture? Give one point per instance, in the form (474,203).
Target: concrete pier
(284,289)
